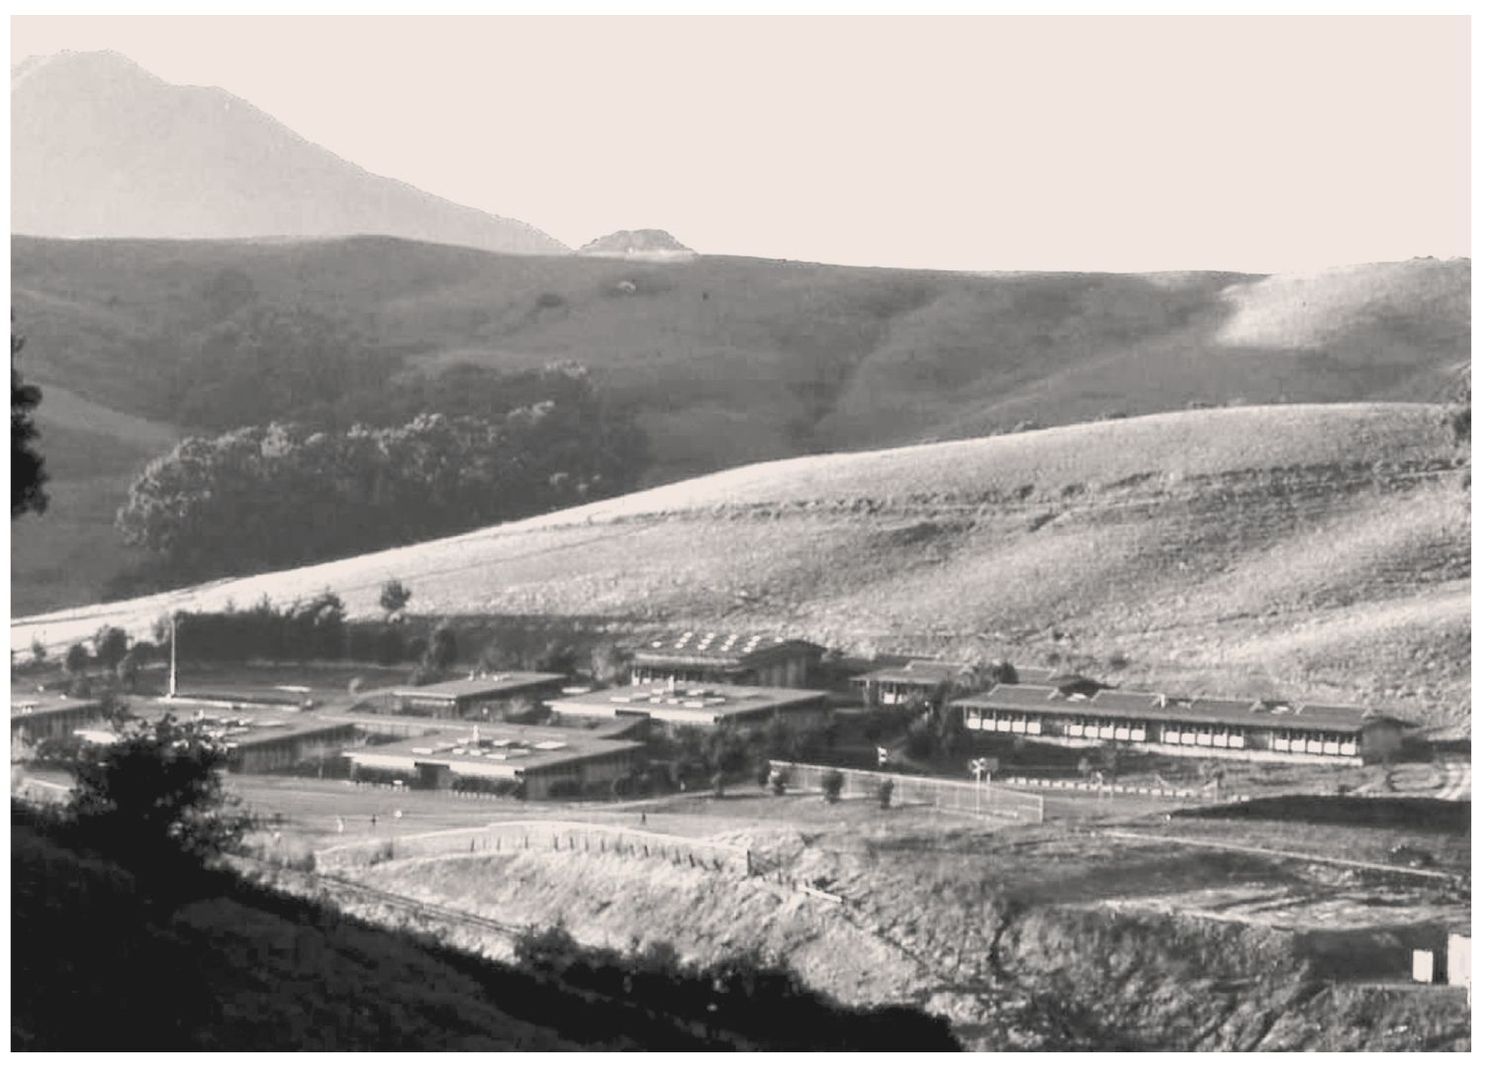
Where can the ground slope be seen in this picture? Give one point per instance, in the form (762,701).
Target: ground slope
(1302,550)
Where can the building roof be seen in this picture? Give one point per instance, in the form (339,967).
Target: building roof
(1145,705)
(689,701)
(490,685)
(1032,673)
(243,729)
(721,649)
(506,750)
(919,672)
(48,705)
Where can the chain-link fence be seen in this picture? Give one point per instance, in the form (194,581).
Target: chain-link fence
(965,795)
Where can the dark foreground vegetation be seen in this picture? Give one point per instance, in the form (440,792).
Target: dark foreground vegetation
(435,456)
(129,932)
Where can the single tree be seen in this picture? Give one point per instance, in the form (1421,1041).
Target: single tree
(394,597)
(76,660)
(442,649)
(28,476)
(154,799)
(110,644)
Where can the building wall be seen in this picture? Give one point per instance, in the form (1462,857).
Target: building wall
(1174,734)
(282,753)
(28,729)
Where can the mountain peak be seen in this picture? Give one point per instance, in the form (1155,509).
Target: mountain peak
(103,148)
(643,243)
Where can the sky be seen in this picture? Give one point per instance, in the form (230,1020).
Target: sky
(997,142)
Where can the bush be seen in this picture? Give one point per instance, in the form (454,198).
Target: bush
(884,792)
(483,785)
(833,785)
(778,782)
(394,596)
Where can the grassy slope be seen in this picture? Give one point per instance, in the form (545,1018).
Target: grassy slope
(92,452)
(729,360)
(1304,550)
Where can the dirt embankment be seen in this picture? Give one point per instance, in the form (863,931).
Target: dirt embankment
(1019,942)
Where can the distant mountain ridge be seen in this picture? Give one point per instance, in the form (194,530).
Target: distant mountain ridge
(100,147)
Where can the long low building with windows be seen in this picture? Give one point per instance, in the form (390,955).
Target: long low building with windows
(1256,730)
(546,761)
(699,703)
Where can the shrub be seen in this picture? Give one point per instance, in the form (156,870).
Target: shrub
(394,596)
(484,785)
(833,785)
(549,300)
(76,659)
(778,782)
(884,792)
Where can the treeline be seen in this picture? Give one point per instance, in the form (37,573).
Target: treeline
(280,495)
(314,628)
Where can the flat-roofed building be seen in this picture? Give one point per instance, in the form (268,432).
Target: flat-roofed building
(1258,730)
(477,697)
(35,719)
(699,703)
(744,658)
(545,761)
(265,742)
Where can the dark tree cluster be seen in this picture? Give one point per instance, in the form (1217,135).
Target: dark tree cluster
(265,497)
(28,476)
(308,629)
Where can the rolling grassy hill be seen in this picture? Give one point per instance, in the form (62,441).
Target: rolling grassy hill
(734,360)
(1303,550)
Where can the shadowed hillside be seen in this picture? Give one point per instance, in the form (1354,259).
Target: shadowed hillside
(1297,551)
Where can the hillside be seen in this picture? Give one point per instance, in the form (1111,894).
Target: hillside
(732,360)
(101,147)
(1319,551)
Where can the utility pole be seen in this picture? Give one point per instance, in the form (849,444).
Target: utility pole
(171,688)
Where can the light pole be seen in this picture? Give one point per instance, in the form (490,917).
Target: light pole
(171,687)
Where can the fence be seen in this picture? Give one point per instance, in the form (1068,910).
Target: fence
(964,795)
(544,836)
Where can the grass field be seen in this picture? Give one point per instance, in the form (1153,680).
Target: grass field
(1307,551)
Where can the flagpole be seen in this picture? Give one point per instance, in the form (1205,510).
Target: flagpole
(171,689)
